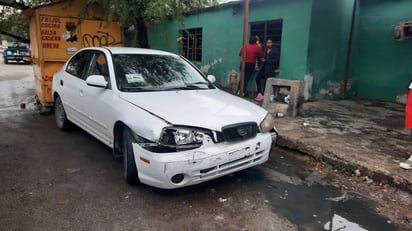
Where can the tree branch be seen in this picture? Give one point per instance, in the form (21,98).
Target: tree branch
(18,38)
(14,4)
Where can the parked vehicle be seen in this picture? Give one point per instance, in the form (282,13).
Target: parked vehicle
(172,126)
(16,54)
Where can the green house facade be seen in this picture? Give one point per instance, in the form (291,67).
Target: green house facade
(338,47)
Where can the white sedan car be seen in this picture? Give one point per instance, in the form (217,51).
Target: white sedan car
(155,109)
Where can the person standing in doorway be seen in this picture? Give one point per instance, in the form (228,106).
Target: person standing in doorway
(408,124)
(253,51)
(270,64)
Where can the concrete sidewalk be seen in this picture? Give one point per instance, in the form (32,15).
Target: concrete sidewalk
(352,134)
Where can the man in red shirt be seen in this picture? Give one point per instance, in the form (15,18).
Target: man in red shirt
(253,50)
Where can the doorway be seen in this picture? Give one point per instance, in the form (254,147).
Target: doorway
(271,29)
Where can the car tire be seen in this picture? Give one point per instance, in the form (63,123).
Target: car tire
(60,115)
(129,165)
(6,61)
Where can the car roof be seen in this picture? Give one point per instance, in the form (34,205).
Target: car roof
(10,48)
(133,50)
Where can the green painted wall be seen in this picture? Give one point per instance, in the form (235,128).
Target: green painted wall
(328,44)
(220,44)
(381,65)
(222,35)
(314,43)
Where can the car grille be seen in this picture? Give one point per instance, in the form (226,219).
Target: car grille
(231,166)
(239,132)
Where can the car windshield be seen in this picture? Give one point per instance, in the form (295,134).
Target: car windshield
(143,72)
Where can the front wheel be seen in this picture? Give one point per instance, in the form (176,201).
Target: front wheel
(60,115)
(129,164)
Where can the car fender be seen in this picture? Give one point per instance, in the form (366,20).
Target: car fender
(142,122)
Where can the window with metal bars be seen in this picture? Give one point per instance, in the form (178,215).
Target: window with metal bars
(191,44)
(268,30)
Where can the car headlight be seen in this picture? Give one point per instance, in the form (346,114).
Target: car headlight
(182,137)
(268,123)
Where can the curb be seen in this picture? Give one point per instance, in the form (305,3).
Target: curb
(344,166)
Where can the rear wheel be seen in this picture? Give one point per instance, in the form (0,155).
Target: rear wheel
(129,164)
(60,115)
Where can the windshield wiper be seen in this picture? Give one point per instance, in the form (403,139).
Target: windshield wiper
(137,89)
(186,87)
(198,85)
(200,82)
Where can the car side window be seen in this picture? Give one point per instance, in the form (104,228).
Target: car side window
(79,64)
(99,66)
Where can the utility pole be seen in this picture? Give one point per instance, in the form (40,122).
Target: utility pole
(245,28)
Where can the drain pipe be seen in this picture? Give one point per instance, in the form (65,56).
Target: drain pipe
(349,52)
(245,27)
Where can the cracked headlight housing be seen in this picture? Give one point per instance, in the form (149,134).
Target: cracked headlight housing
(267,124)
(182,137)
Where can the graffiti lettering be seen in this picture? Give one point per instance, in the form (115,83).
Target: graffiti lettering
(47,88)
(102,39)
(47,78)
(52,38)
(49,35)
(49,25)
(50,45)
(49,22)
(49,19)
(48,32)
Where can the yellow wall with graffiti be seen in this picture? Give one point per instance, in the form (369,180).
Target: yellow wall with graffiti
(61,37)
(60,29)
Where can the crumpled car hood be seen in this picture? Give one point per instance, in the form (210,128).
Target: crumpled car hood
(211,109)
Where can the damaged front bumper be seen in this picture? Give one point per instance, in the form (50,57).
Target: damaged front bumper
(210,161)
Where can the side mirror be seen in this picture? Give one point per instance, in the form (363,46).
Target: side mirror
(96,81)
(211,78)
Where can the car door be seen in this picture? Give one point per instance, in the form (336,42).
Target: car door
(71,84)
(97,102)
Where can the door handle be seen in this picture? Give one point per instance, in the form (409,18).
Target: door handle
(81,93)
(61,82)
